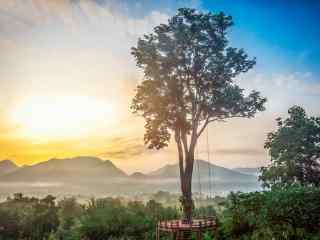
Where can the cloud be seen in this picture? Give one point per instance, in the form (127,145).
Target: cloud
(284,90)
(72,17)
(69,46)
(124,148)
(239,151)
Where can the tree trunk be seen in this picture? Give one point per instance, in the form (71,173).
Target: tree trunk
(186,160)
(187,202)
(186,188)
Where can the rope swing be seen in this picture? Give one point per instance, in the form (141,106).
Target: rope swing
(210,169)
(209,163)
(199,175)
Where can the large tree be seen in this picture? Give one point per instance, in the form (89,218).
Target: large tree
(295,151)
(189,73)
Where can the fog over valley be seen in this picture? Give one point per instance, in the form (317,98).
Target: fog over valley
(88,176)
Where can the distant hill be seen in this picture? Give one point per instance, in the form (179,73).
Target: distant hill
(139,176)
(250,171)
(92,176)
(76,169)
(206,169)
(7,166)
(167,171)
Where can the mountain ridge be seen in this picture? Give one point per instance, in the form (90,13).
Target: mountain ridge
(89,176)
(255,171)
(66,169)
(7,166)
(93,168)
(207,171)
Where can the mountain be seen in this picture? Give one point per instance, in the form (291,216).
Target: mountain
(139,176)
(91,176)
(249,171)
(78,169)
(167,171)
(207,171)
(7,166)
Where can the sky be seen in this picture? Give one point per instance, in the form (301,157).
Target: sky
(67,77)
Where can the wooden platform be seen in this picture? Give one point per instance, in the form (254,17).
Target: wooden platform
(183,231)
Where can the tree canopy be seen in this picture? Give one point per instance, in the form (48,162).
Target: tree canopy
(189,77)
(295,150)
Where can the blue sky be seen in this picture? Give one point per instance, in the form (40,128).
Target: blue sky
(281,34)
(289,29)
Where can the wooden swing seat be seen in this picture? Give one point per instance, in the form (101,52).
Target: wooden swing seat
(183,231)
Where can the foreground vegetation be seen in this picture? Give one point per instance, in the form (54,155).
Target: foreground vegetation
(290,213)
(282,213)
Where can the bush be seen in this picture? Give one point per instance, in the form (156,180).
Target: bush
(109,219)
(28,218)
(290,213)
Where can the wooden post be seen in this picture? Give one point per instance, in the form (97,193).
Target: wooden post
(199,235)
(157,233)
(175,237)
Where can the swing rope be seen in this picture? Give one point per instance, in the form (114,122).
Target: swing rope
(209,163)
(199,176)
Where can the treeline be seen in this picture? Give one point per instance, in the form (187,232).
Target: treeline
(282,213)
(28,218)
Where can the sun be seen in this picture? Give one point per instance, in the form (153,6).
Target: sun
(63,116)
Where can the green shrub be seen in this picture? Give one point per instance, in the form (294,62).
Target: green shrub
(290,213)
(28,218)
(109,219)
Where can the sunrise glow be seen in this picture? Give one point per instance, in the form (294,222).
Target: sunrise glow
(66,116)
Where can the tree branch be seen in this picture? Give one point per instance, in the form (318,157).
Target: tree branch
(180,153)
(207,121)
(185,143)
